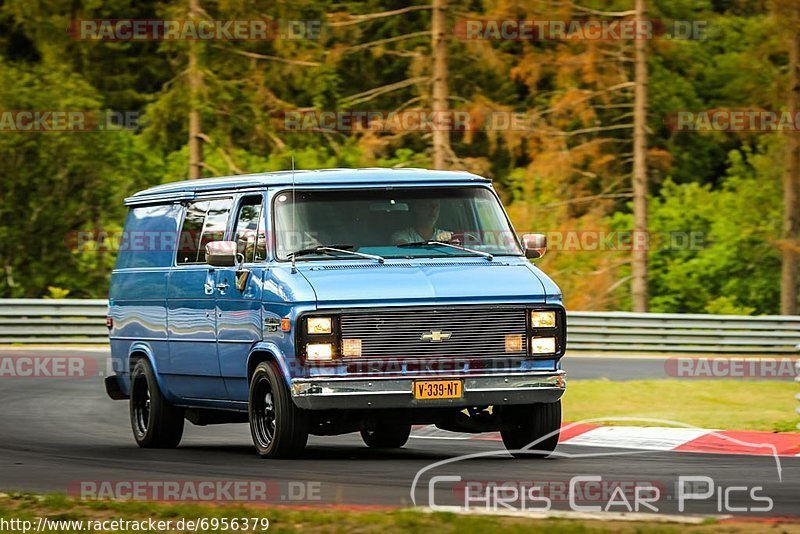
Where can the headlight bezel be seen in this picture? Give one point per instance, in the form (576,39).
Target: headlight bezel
(303,338)
(559,331)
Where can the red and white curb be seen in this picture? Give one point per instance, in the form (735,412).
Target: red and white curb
(654,439)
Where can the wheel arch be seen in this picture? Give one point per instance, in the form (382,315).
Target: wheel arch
(142,351)
(264,352)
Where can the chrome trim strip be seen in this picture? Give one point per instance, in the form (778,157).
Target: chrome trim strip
(528,374)
(396,392)
(129,338)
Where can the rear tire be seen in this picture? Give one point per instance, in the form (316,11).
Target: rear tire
(386,436)
(279,428)
(522,425)
(156,424)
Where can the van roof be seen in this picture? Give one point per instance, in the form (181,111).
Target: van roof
(327,177)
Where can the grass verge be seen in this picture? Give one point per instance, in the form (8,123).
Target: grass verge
(720,404)
(61,508)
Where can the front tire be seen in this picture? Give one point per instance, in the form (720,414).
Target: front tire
(522,425)
(156,424)
(278,427)
(386,436)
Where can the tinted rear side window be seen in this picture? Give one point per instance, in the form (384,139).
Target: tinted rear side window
(205,221)
(149,237)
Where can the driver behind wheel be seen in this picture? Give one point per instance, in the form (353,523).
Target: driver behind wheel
(425,214)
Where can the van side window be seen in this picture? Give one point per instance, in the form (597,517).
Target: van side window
(147,239)
(214,228)
(249,233)
(191,231)
(205,222)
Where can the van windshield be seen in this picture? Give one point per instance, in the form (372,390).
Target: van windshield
(392,223)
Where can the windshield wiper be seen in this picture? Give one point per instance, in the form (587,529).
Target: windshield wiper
(333,250)
(451,245)
(316,250)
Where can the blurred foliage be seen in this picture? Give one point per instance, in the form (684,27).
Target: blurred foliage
(567,173)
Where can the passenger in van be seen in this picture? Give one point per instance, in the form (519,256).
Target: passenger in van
(425,214)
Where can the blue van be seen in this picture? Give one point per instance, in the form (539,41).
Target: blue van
(334,301)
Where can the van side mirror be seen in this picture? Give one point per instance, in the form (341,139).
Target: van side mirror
(535,245)
(221,253)
(225,254)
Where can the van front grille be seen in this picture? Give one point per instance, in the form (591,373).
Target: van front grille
(441,332)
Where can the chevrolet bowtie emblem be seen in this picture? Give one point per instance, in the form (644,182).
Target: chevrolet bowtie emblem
(436,336)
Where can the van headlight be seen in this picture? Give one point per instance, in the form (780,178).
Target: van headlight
(318,339)
(319,325)
(319,351)
(543,319)
(547,332)
(543,345)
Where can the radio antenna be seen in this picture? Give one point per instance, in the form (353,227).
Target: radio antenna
(294,215)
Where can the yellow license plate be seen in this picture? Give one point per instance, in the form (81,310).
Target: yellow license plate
(437,389)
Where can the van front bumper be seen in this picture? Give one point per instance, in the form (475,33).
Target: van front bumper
(397,392)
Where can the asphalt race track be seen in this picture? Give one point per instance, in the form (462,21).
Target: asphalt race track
(57,433)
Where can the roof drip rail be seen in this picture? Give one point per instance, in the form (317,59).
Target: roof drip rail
(160,198)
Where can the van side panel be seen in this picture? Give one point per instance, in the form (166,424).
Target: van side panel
(239,328)
(137,296)
(195,372)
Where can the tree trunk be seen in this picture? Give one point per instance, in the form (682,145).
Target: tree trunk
(640,234)
(195,83)
(791,178)
(441,136)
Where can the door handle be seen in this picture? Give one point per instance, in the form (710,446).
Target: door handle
(223,286)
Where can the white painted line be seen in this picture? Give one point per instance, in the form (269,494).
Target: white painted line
(431,432)
(457,438)
(632,437)
(427,430)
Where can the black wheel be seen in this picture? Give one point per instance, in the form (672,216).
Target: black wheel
(386,436)
(279,428)
(522,425)
(155,422)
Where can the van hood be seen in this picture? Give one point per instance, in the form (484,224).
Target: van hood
(422,282)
